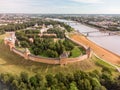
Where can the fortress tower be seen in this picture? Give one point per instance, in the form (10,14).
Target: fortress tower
(10,39)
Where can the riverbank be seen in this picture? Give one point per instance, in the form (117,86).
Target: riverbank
(101,52)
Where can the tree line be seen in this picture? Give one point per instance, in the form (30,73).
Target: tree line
(78,80)
(32,22)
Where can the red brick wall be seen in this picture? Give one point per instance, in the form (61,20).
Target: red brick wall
(61,61)
(18,52)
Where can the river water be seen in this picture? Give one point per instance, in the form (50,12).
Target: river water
(109,42)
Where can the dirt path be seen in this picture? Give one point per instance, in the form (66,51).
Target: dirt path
(101,52)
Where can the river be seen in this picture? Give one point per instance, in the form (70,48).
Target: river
(109,42)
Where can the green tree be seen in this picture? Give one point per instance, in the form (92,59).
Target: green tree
(24,77)
(24,44)
(95,83)
(52,53)
(68,45)
(84,84)
(50,80)
(40,80)
(15,84)
(73,86)
(33,81)
(22,86)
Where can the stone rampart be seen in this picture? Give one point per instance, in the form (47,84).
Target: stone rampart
(44,60)
(18,52)
(61,61)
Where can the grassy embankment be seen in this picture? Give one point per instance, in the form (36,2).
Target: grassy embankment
(76,52)
(12,63)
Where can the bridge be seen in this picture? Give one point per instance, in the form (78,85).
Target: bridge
(69,22)
(89,32)
(107,33)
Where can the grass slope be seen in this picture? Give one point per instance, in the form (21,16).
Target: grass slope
(76,52)
(12,63)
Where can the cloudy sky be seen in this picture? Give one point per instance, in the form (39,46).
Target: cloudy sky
(61,6)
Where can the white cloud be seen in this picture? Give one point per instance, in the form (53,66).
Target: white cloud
(88,1)
(110,10)
(12,5)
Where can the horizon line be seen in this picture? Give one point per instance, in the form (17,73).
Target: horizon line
(62,13)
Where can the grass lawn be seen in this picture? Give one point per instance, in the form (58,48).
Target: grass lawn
(12,63)
(76,52)
(103,64)
(21,49)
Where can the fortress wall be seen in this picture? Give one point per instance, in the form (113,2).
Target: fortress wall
(89,52)
(44,60)
(18,52)
(55,61)
(71,60)
(37,58)
(64,61)
(78,43)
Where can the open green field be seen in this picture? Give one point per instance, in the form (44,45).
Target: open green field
(12,63)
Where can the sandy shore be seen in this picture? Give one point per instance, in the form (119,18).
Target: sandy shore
(101,52)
